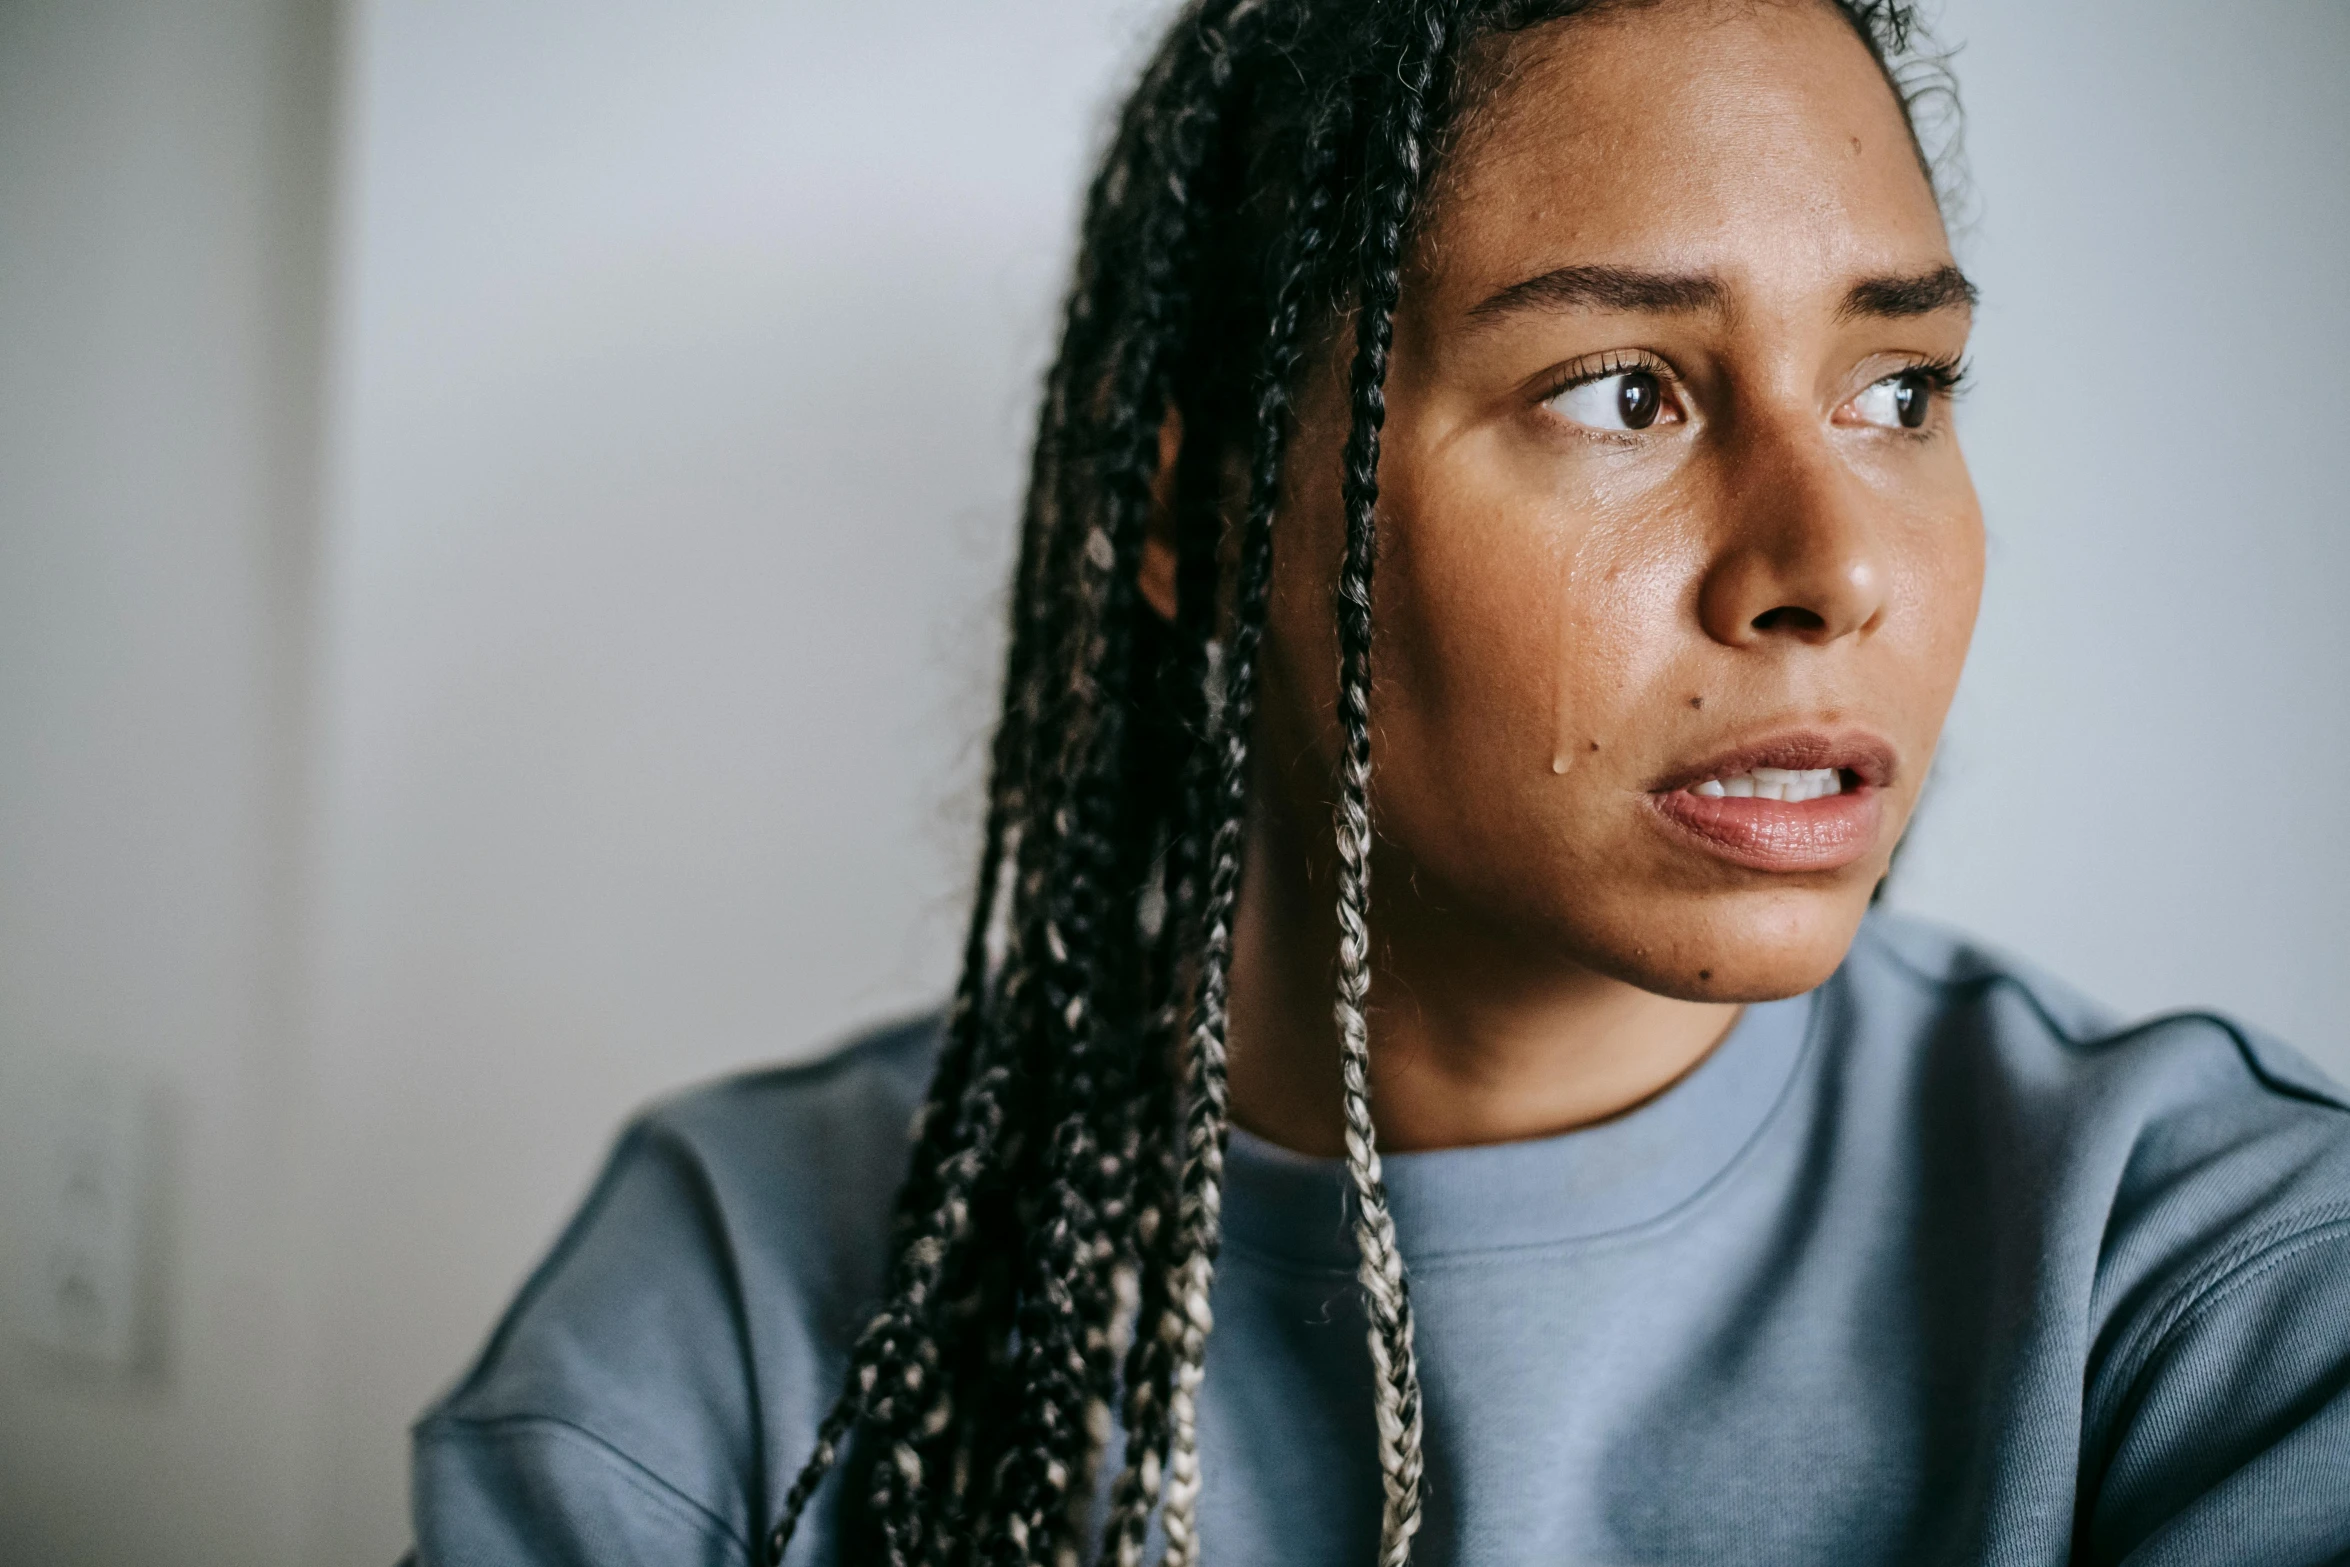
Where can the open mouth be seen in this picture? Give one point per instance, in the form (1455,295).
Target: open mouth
(1792,784)
(1797,803)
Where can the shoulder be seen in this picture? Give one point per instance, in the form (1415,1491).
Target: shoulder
(2189,1124)
(803,1150)
(692,1314)
(2168,1094)
(2188,1182)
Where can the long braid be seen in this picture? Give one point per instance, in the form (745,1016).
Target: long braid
(1182,708)
(1050,836)
(1394,168)
(943,1122)
(1180,1336)
(937,1126)
(1068,1360)
(963,1113)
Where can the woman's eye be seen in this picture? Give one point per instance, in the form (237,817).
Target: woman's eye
(1899,402)
(1627,400)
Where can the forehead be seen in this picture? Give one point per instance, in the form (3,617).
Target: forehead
(1750,138)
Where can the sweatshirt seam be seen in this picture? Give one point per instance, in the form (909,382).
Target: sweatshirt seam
(498,1428)
(1976,984)
(573,1236)
(2270,1247)
(703,1190)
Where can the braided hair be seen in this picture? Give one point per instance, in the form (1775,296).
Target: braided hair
(1055,1242)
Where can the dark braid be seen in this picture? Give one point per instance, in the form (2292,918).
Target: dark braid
(1067,1329)
(1168,1361)
(959,1123)
(1065,1185)
(1396,164)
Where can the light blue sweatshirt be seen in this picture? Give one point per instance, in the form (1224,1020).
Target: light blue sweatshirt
(1937,1264)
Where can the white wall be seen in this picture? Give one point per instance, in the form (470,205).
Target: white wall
(679,377)
(163,202)
(2138,784)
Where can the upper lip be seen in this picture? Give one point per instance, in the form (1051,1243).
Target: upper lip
(1864,755)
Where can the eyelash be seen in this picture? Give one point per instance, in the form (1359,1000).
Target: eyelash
(1946,375)
(1949,376)
(1615,361)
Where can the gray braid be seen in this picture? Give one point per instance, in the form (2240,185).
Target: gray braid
(1399,150)
(1188,1319)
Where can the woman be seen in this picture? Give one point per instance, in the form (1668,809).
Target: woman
(1552,402)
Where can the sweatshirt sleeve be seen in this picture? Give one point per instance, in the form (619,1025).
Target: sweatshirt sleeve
(610,1421)
(528,1491)
(2229,1424)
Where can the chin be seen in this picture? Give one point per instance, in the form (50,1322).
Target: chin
(1737,947)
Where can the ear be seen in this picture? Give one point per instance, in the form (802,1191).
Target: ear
(1160,552)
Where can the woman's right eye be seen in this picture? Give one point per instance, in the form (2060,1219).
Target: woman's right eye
(1626,400)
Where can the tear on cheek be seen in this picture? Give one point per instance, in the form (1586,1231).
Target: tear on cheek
(1563,754)
(1563,737)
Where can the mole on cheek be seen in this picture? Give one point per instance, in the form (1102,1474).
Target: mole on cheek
(1697,701)
(1705,973)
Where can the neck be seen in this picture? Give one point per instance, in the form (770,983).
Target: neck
(1477,1036)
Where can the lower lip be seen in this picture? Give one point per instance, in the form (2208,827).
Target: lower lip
(1826,834)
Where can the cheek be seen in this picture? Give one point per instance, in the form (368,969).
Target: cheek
(1523,638)
(1939,590)
(1468,629)
(1963,582)
(1627,620)
(1518,629)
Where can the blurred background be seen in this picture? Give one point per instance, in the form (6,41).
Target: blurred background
(502,510)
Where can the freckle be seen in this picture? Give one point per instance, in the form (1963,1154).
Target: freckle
(1697,701)
(1856,146)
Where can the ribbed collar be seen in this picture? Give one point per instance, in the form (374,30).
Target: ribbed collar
(1455,1202)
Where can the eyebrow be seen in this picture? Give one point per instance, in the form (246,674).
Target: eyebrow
(1944,288)
(1607,288)
(1633,291)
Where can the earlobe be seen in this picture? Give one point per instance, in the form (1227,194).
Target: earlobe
(1160,552)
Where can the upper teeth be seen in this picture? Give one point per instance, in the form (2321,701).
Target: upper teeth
(1774,783)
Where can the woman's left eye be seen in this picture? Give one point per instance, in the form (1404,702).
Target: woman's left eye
(1899,402)
(1627,400)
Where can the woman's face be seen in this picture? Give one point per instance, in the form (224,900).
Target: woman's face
(1673,515)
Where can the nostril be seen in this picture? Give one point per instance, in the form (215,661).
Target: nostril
(1790,617)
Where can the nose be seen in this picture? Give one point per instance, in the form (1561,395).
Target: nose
(1798,558)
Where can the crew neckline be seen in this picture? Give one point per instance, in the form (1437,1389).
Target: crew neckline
(1578,1185)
